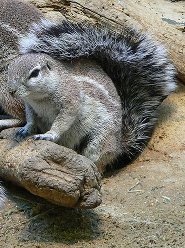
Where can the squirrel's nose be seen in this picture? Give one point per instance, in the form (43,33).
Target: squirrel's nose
(12,92)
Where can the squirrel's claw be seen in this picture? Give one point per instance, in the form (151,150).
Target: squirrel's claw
(45,136)
(22,133)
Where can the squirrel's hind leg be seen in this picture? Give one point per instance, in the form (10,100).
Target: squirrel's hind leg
(103,150)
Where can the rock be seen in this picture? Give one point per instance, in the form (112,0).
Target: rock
(53,172)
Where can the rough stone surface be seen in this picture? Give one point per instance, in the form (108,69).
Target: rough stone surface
(48,170)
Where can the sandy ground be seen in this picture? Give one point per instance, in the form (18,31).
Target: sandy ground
(143,204)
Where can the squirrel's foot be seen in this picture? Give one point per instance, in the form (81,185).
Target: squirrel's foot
(24,132)
(46,136)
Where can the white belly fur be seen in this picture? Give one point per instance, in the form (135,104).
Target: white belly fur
(46,113)
(93,118)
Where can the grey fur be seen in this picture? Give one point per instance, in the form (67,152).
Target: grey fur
(2,196)
(15,19)
(138,66)
(69,102)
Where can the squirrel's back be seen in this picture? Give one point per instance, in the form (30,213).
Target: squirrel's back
(15,19)
(2,196)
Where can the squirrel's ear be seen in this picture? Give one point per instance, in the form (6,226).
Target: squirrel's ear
(48,65)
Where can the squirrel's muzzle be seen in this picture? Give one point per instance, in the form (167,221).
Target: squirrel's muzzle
(12,92)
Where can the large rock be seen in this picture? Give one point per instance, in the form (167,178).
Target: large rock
(50,171)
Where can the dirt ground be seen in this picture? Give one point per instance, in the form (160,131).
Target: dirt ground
(143,204)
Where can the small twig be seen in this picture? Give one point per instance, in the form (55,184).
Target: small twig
(136,190)
(34,217)
(39,215)
(131,189)
(166,198)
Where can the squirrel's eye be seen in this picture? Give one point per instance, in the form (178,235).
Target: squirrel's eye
(34,73)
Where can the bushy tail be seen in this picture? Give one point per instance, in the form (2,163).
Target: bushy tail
(2,196)
(138,66)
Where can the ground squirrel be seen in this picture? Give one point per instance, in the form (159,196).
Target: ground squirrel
(139,68)
(74,104)
(135,65)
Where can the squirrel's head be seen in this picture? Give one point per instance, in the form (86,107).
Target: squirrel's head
(32,76)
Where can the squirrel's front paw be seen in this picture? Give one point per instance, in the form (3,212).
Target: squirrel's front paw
(45,136)
(24,132)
